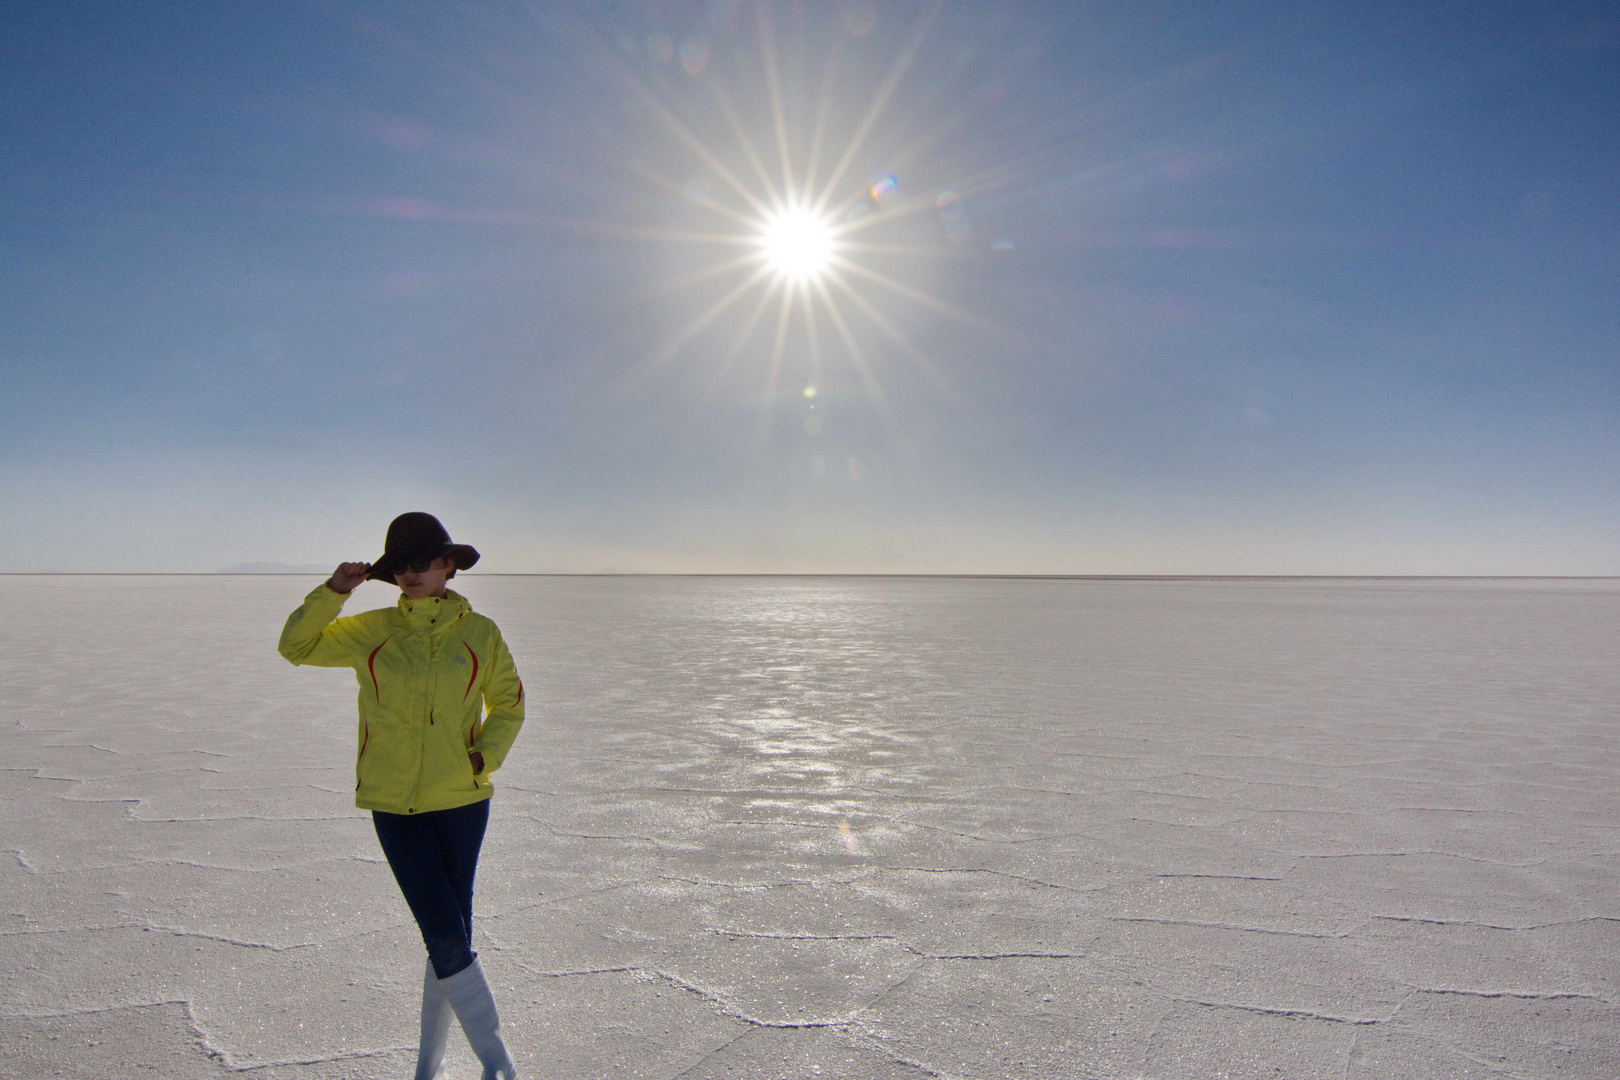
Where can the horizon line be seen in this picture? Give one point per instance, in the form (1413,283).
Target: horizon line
(864,574)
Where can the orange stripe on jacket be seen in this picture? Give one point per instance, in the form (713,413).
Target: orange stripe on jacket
(474,676)
(371,666)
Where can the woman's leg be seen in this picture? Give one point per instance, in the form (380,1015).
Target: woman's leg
(474,1005)
(460,835)
(436,1015)
(411,845)
(440,901)
(434,857)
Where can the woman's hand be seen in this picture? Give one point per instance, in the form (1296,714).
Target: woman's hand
(347,576)
(477,760)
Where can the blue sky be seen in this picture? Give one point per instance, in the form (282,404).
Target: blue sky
(1163,288)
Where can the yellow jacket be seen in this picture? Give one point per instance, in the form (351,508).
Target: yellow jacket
(427,670)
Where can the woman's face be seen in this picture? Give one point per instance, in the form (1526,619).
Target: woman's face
(429,582)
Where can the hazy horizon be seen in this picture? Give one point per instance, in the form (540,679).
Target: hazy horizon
(231,571)
(1196,289)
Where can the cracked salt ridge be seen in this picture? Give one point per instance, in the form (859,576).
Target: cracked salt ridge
(1299,696)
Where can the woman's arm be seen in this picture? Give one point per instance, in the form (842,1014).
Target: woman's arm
(503,700)
(311,635)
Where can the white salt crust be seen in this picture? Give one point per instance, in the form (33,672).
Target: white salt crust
(854,828)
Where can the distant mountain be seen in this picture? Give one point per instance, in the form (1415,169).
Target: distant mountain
(276,568)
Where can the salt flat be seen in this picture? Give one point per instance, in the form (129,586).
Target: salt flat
(863,828)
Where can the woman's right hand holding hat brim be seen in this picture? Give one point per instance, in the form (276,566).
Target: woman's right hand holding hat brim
(347,576)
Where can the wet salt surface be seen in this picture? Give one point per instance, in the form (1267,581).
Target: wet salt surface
(863,828)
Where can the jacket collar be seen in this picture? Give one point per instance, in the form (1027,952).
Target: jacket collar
(433,613)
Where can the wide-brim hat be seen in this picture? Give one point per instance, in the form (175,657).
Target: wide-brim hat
(418,537)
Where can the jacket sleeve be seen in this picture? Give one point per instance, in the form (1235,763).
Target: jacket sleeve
(315,635)
(503,700)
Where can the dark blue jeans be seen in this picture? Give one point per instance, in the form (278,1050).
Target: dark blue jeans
(434,857)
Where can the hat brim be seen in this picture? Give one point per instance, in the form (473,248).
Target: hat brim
(464,557)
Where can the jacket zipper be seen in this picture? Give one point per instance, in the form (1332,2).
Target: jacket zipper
(421,761)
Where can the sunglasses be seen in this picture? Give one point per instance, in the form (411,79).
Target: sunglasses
(416,567)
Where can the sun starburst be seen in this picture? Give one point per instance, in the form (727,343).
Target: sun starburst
(785,249)
(798,243)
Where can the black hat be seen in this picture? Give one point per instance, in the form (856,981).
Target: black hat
(418,537)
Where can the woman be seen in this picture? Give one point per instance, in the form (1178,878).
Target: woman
(428,669)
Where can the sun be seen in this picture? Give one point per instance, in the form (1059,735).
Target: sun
(801,253)
(798,244)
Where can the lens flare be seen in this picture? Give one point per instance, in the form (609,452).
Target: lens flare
(797,243)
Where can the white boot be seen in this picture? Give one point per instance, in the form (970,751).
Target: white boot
(436,1014)
(469,996)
